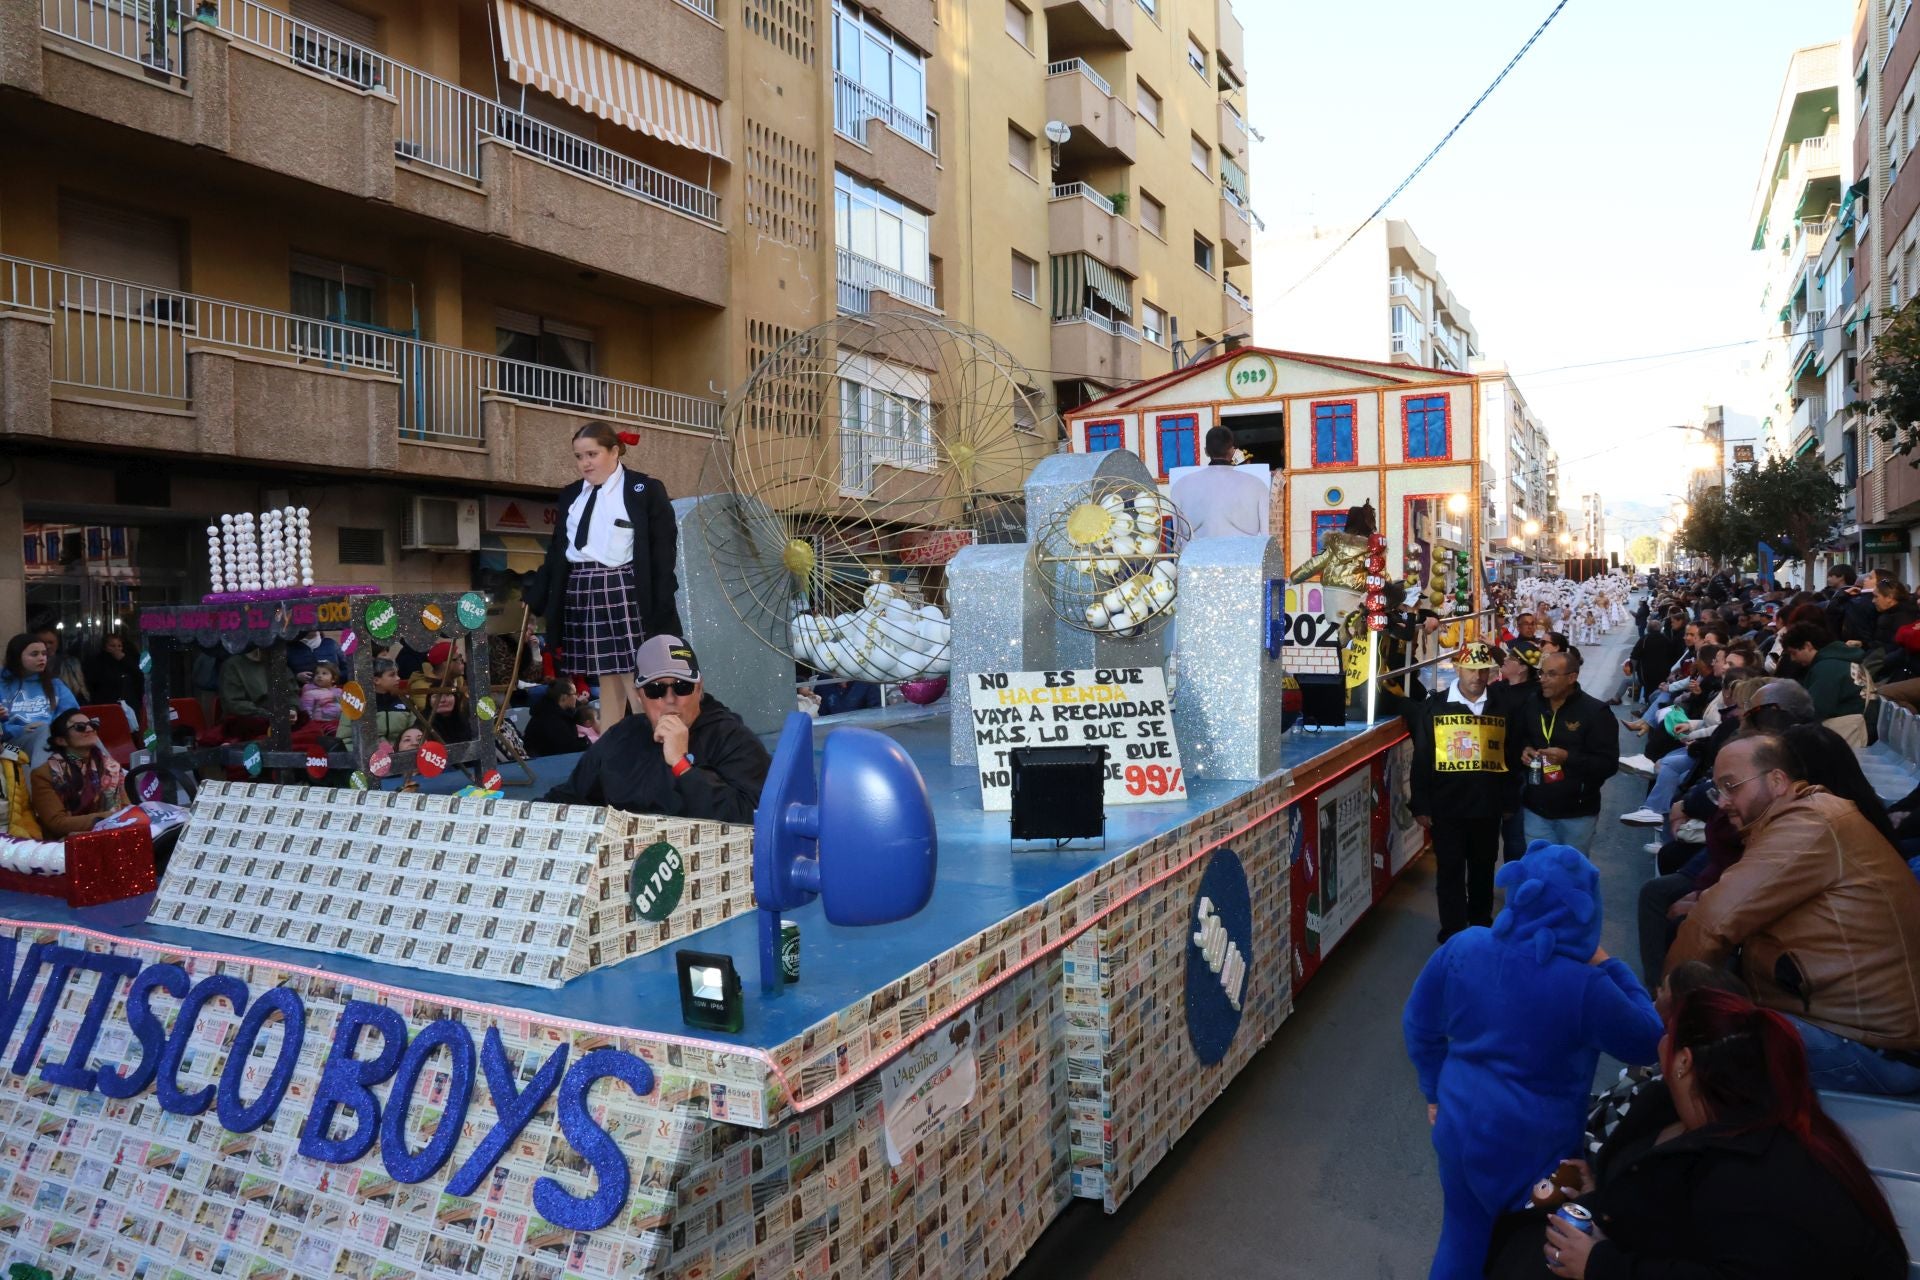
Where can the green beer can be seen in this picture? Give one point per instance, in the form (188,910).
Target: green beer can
(789,951)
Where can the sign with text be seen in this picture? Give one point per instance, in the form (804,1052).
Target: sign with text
(500,514)
(1124,709)
(924,1087)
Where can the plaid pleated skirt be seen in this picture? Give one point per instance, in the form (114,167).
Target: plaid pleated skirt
(601,633)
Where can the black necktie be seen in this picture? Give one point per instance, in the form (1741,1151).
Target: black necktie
(586,518)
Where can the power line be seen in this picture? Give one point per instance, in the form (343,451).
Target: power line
(1419,168)
(1661,355)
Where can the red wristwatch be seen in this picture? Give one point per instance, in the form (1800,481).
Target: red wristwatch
(681,766)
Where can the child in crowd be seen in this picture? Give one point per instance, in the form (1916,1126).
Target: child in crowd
(1505,1027)
(321,699)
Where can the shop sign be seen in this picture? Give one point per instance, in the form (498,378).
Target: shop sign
(1884,542)
(534,516)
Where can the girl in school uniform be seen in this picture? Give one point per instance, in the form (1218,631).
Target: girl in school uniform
(608,581)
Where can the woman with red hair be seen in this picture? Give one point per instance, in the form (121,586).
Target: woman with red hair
(1729,1168)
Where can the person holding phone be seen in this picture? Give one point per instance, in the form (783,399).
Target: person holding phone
(608,581)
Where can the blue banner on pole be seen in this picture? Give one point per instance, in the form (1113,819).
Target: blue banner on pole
(1768,558)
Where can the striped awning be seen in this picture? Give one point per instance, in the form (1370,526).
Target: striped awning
(1076,273)
(556,59)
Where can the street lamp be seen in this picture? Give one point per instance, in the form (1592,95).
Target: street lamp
(1532,528)
(1681,510)
(1566,539)
(1457,504)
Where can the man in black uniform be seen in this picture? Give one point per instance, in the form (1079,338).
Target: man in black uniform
(1466,779)
(688,757)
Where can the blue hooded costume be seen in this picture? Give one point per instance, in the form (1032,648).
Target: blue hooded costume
(1505,1026)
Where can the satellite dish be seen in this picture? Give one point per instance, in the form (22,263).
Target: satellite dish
(1058,131)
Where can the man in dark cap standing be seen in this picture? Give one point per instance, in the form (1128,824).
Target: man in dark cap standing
(1466,778)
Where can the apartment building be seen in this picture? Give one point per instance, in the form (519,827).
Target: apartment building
(1381,298)
(1794,206)
(376,257)
(1880,258)
(1519,475)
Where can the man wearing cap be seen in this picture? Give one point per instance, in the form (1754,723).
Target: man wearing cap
(1466,779)
(689,757)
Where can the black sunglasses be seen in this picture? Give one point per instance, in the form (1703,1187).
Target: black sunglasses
(77,724)
(657,689)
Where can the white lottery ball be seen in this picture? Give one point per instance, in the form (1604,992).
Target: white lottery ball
(1147,524)
(213,531)
(1097,616)
(1113,602)
(1160,593)
(1107,566)
(1166,570)
(227,521)
(303,513)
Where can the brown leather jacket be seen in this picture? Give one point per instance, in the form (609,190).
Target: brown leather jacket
(1826,916)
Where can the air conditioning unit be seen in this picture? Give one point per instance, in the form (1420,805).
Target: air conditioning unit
(441,524)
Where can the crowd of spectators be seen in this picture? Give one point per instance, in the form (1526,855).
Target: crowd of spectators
(1779,953)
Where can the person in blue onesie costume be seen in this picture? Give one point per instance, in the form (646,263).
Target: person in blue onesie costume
(1505,1027)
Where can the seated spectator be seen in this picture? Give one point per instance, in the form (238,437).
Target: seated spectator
(445,668)
(449,722)
(1612,1104)
(1825,917)
(321,698)
(1729,1167)
(308,650)
(113,674)
(80,783)
(1505,1027)
(1556,642)
(1828,665)
(1894,607)
(245,706)
(30,697)
(689,756)
(392,713)
(553,726)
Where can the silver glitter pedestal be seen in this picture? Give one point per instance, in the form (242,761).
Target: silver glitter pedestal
(1227,711)
(747,675)
(1055,483)
(1000,623)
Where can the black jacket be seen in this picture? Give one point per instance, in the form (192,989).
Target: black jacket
(1591,737)
(552,731)
(652,582)
(1859,618)
(110,681)
(1656,653)
(1456,770)
(625,769)
(1886,624)
(1709,1204)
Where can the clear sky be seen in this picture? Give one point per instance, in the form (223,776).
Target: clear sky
(1595,207)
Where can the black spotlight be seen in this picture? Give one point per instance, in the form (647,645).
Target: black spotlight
(1059,793)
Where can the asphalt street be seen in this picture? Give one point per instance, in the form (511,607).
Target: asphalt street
(1315,1163)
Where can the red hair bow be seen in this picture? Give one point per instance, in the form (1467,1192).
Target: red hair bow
(631,439)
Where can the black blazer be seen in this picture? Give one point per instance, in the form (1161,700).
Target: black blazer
(651,584)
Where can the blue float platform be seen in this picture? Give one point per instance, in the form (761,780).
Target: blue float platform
(982,880)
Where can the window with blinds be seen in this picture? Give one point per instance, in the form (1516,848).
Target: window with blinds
(120,242)
(336,41)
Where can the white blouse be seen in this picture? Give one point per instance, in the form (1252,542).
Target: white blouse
(609,536)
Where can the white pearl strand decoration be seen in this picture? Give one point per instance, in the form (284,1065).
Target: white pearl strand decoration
(271,551)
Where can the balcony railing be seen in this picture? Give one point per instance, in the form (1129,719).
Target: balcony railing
(859,277)
(437,123)
(1405,344)
(134,340)
(1079,66)
(1237,203)
(1400,286)
(1081,191)
(854,104)
(1105,323)
(142,31)
(1246,303)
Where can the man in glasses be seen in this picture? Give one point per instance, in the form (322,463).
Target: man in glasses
(689,756)
(1824,916)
